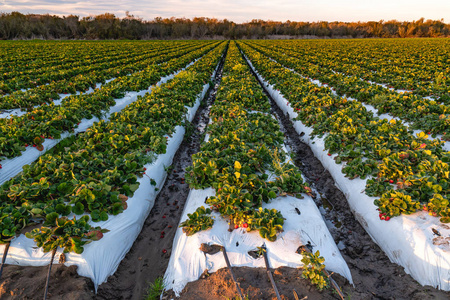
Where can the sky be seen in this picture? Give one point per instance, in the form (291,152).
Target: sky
(241,11)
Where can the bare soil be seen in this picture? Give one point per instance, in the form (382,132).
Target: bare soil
(254,283)
(375,277)
(149,256)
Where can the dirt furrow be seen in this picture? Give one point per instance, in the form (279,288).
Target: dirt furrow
(374,275)
(149,256)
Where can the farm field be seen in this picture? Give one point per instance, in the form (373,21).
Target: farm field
(118,159)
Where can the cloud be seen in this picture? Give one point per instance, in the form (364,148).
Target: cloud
(241,11)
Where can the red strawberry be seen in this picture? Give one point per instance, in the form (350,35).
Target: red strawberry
(382,217)
(26,145)
(391,181)
(164,216)
(329,154)
(236,226)
(145,169)
(164,251)
(387,218)
(245,225)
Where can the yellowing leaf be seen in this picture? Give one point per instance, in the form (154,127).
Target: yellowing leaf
(237,174)
(422,135)
(237,165)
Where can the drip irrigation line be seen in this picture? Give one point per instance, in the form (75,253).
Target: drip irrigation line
(48,274)
(224,251)
(4,258)
(269,273)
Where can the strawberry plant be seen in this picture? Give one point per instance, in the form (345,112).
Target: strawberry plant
(385,152)
(53,120)
(69,78)
(197,221)
(12,220)
(313,269)
(268,222)
(244,146)
(97,171)
(396,203)
(71,235)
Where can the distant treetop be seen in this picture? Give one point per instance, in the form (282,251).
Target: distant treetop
(15,25)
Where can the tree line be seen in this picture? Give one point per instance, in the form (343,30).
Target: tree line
(16,25)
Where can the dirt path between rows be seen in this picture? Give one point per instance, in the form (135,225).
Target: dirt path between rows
(149,256)
(375,277)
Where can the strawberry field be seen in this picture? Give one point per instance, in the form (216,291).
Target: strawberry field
(89,132)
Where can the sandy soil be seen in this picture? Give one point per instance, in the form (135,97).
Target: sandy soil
(254,283)
(375,277)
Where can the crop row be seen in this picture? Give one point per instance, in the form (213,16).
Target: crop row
(419,65)
(78,58)
(421,113)
(42,70)
(243,160)
(50,121)
(97,173)
(45,53)
(243,148)
(406,172)
(51,84)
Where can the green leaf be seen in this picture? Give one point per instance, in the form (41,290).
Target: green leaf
(103,216)
(50,219)
(78,208)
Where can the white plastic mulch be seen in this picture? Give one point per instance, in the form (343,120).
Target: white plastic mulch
(408,240)
(188,262)
(100,259)
(12,167)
